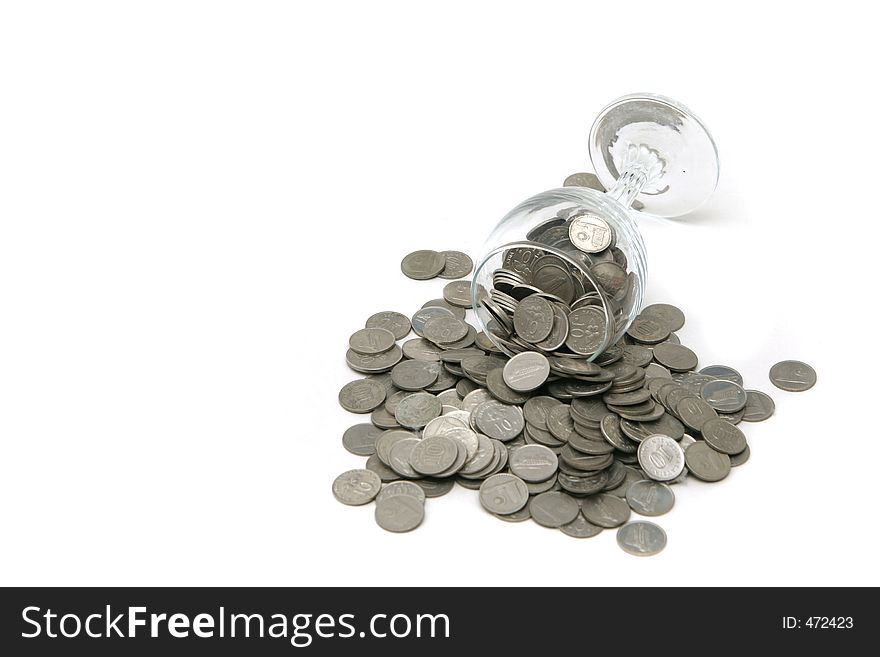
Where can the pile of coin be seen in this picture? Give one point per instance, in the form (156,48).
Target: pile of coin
(545,434)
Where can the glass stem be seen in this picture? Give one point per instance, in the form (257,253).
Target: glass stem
(629,184)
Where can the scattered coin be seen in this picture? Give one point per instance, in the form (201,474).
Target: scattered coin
(399,513)
(361,439)
(723,372)
(724,396)
(724,437)
(605,510)
(671,316)
(356,487)
(458,293)
(415,374)
(526,371)
(661,457)
(533,463)
(503,494)
(641,538)
(416,410)
(759,406)
(433,455)
(675,357)
(553,509)
(793,376)
(397,323)
(580,527)
(705,463)
(407,488)
(458,265)
(650,498)
(361,396)
(422,265)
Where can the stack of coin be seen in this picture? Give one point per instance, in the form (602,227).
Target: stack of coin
(547,434)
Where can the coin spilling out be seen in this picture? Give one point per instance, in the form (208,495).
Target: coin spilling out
(568,431)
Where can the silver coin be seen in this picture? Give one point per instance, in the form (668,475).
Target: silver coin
(648,330)
(415,374)
(516,516)
(611,276)
(739,459)
(722,436)
(793,376)
(371,341)
(560,423)
(383,471)
(559,332)
(538,408)
(389,320)
(499,421)
(686,441)
(723,372)
(590,233)
(457,265)
(360,439)
(587,329)
(461,313)
(399,457)
(444,330)
(458,293)
(443,425)
(361,396)
(694,412)
(533,463)
(367,364)
(724,396)
(650,498)
(671,316)
(501,391)
(387,440)
(526,371)
(435,487)
(422,349)
(553,277)
(759,406)
(422,265)
(675,357)
(383,419)
(533,319)
(605,510)
(705,463)
(553,509)
(474,399)
(407,488)
(483,457)
(661,457)
(580,527)
(502,494)
(429,312)
(415,411)
(356,487)
(637,355)
(434,455)
(584,180)
(641,538)
(399,513)
(655,371)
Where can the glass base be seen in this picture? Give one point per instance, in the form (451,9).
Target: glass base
(663,139)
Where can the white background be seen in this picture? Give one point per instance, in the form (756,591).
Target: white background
(199,202)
